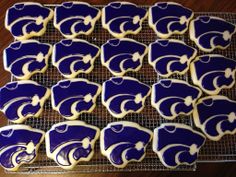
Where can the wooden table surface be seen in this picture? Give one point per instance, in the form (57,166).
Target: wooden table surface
(204,169)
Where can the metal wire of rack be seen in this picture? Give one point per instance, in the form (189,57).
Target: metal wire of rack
(221,151)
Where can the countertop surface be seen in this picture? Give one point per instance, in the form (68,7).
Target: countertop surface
(204,169)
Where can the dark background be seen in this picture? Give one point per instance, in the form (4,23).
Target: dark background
(204,169)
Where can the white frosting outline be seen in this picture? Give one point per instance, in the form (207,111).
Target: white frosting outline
(153,63)
(197,81)
(24,127)
(159,153)
(124,123)
(124,112)
(122,35)
(170,33)
(74,73)
(25,70)
(33,33)
(106,64)
(174,115)
(202,126)
(71,123)
(76,113)
(22,118)
(213,46)
(74,35)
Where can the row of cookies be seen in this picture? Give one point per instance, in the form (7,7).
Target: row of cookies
(25,20)
(211,72)
(69,143)
(121,96)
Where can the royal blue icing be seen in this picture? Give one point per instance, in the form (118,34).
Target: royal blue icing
(168,18)
(24,58)
(27,19)
(212,73)
(121,18)
(123,95)
(19,145)
(170,56)
(73,18)
(75,96)
(22,99)
(70,142)
(172,97)
(210,33)
(122,55)
(75,56)
(177,144)
(216,116)
(124,142)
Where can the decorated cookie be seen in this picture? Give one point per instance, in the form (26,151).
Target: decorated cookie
(210,33)
(75,18)
(122,18)
(215,116)
(177,144)
(124,142)
(20,100)
(168,18)
(213,72)
(73,97)
(122,55)
(25,58)
(75,56)
(170,56)
(123,95)
(172,97)
(19,145)
(27,19)
(71,142)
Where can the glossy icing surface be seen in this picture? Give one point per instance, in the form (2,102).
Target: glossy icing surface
(74,56)
(123,55)
(123,142)
(20,100)
(25,58)
(168,18)
(74,18)
(122,18)
(123,95)
(172,97)
(213,72)
(215,116)
(19,145)
(170,56)
(210,33)
(68,143)
(177,144)
(74,96)
(27,19)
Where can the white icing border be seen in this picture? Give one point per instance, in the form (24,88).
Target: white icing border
(25,127)
(74,74)
(93,22)
(31,34)
(155,141)
(75,116)
(165,36)
(122,35)
(129,69)
(71,123)
(124,123)
(152,63)
(157,105)
(121,115)
(201,126)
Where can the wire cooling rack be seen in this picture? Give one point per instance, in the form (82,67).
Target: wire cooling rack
(221,151)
